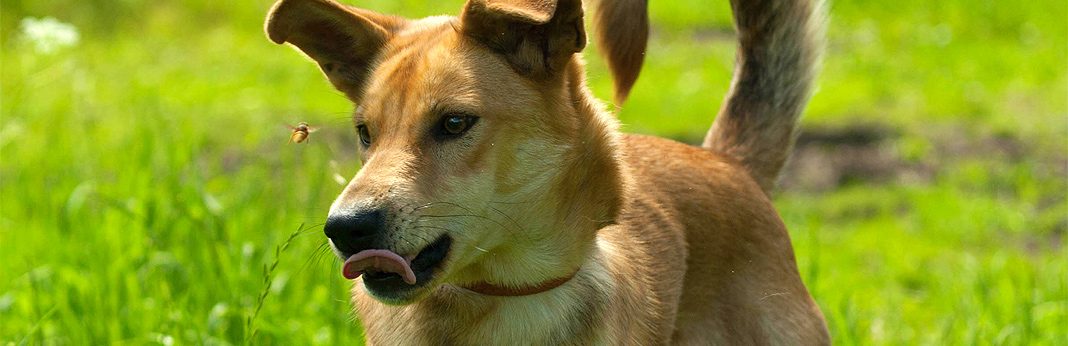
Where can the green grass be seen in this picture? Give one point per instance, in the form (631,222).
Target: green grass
(145,179)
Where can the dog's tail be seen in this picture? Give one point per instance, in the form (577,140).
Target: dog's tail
(779,48)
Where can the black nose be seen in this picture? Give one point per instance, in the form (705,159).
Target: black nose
(352,231)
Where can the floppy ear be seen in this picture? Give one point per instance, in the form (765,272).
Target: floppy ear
(537,37)
(344,41)
(622,33)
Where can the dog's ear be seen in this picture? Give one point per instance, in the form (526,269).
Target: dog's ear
(622,34)
(344,41)
(537,37)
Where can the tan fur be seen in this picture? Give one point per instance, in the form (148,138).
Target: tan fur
(671,243)
(622,32)
(778,56)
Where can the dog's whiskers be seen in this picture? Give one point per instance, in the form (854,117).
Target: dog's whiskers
(506,216)
(316,227)
(467,215)
(321,251)
(465,236)
(427,205)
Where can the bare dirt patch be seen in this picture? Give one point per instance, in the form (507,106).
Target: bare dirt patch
(827,158)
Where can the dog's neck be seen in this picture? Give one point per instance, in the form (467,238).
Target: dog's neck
(575,312)
(564,312)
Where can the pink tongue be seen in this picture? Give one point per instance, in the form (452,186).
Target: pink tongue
(380,260)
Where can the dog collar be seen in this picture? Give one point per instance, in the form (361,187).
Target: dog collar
(485,288)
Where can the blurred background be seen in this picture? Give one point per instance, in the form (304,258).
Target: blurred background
(148,194)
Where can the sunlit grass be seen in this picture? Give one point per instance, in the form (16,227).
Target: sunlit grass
(146,179)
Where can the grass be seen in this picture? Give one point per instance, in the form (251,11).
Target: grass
(145,179)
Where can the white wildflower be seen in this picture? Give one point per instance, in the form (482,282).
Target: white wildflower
(48,34)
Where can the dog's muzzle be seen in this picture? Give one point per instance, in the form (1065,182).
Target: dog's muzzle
(361,239)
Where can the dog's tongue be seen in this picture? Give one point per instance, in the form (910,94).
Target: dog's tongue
(380,260)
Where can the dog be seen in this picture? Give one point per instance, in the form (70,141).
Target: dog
(498,204)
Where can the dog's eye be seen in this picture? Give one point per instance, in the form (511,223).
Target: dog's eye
(365,136)
(455,124)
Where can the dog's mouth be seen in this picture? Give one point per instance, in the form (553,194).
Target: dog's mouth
(386,271)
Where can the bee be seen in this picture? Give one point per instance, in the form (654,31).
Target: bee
(300,132)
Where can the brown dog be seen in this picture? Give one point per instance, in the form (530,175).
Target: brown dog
(498,204)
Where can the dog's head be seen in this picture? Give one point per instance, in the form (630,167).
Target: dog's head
(485,159)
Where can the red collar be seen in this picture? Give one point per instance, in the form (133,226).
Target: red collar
(489,289)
